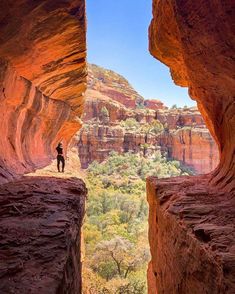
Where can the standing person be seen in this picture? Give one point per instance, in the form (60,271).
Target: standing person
(60,157)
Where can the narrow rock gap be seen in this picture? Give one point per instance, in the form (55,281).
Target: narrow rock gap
(126,137)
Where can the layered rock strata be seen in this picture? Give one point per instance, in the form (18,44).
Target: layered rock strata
(40,234)
(192,237)
(96,141)
(191,229)
(185,137)
(195,39)
(113,85)
(193,146)
(42,80)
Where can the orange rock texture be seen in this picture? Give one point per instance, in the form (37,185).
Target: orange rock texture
(191,220)
(42,80)
(195,39)
(193,146)
(113,85)
(154,104)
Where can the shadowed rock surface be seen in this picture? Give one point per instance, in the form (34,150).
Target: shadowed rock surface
(191,223)
(40,235)
(192,237)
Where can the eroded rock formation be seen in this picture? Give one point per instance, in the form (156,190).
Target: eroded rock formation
(193,146)
(185,137)
(191,236)
(191,221)
(113,85)
(198,45)
(40,235)
(42,80)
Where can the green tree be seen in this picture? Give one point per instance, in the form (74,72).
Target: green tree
(116,222)
(104,115)
(120,256)
(130,123)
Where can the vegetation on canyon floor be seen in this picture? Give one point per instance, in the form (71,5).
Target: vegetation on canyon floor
(131,124)
(115,230)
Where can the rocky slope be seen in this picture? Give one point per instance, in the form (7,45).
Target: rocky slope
(191,220)
(113,85)
(42,78)
(183,137)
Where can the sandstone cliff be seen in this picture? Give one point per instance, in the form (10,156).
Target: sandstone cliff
(197,45)
(185,137)
(191,220)
(193,146)
(113,85)
(42,78)
(191,235)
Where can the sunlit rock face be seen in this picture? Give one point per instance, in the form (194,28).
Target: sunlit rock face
(42,80)
(194,147)
(191,221)
(113,86)
(154,104)
(186,138)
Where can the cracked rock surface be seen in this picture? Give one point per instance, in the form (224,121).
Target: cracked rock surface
(40,231)
(192,236)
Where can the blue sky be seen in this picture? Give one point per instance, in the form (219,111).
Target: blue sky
(117,39)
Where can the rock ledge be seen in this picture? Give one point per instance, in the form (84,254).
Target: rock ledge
(40,232)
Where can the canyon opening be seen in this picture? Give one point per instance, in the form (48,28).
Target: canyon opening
(101,227)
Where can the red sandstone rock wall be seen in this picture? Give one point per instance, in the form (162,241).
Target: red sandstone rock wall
(191,235)
(186,140)
(191,229)
(42,78)
(95,101)
(154,104)
(195,39)
(40,230)
(95,142)
(189,117)
(194,147)
(113,85)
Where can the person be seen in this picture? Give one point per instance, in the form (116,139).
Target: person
(60,157)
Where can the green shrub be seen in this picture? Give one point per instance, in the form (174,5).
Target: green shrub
(117,210)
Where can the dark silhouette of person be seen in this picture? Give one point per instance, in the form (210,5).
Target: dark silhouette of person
(60,157)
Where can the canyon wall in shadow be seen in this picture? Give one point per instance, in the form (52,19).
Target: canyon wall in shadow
(191,229)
